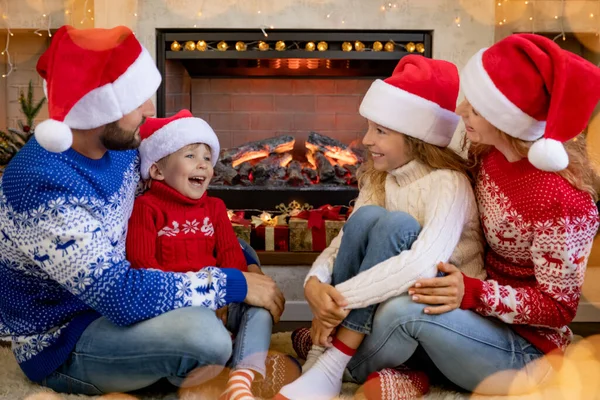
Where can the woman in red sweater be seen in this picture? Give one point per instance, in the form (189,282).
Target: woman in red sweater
(525,97)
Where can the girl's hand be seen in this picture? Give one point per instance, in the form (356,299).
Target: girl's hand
(320,334)
(445,292)
(326,303)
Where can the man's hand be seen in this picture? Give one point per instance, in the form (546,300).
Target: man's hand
(263,292)
(446,292)
(255,269)
(320,334)
(222,314)
(326,303)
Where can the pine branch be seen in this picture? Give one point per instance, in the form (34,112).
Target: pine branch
(28,107)
(22,137)
(29,96)
(36,110)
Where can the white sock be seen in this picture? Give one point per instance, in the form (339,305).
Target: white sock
(323,381)
(313,355)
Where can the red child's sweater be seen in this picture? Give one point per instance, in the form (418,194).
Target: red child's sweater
(540,230)
(171,232)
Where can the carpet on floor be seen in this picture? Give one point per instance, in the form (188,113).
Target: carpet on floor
(14,385)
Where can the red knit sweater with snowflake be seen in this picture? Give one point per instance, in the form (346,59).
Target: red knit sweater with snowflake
(540,231)
(171,232)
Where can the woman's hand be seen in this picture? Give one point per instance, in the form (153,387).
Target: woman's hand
(446,292)
(326,303)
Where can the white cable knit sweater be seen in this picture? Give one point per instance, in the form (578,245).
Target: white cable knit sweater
(443,203)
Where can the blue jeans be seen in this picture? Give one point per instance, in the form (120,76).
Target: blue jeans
(466,347)
(371,235)
(187,346)
(252,327)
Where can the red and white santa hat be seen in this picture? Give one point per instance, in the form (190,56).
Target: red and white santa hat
(418,100)
(531,89)
(92,77)
(164,136)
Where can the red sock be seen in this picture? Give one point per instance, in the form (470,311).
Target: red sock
(396,384)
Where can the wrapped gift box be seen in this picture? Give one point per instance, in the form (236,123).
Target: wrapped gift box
(269,234)
(241,226)
(270,238)
(313,230)
(242,232)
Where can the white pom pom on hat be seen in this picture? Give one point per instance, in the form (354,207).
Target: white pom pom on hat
(54,136)
(548,155)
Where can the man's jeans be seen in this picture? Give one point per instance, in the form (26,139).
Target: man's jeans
(187,346)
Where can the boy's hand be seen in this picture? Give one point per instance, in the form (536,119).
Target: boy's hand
(255,269)
(222,314)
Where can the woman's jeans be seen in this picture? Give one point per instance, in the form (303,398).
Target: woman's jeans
(466,347)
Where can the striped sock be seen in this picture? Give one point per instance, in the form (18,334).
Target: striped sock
(239,385)
(395,384)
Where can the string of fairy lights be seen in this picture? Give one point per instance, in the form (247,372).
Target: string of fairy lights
(264,26)
(281,45)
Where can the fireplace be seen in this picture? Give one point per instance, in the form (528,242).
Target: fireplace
(284,104)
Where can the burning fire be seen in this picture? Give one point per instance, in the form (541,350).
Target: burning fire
(286,159)
(253,155)
(344,156)
(274,161)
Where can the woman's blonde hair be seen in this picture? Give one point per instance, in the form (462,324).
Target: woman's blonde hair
(428,154)
(579,173)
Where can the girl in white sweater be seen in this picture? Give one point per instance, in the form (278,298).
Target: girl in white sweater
(415,210)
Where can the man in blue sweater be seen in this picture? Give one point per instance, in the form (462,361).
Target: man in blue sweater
(81,320)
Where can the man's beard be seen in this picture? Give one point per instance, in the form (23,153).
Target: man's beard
(115,138)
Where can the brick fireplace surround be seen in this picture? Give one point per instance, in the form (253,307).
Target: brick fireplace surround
(242,110)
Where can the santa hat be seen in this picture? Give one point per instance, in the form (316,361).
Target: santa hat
(531,89)
(418,100)
(164,136)
(92,77)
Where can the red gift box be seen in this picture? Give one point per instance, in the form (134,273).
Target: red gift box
(270,238)
(324,223)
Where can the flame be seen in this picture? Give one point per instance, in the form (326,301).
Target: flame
(248,156)
(282,148)
(310,157)
(285,160)
(258,154)
(344,156)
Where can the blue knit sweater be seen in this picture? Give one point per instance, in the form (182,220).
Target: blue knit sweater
(63,221)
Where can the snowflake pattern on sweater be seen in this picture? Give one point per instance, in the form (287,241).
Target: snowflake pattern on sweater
(539,239)
(63,227)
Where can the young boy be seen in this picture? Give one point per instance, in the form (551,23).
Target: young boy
(175,226)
